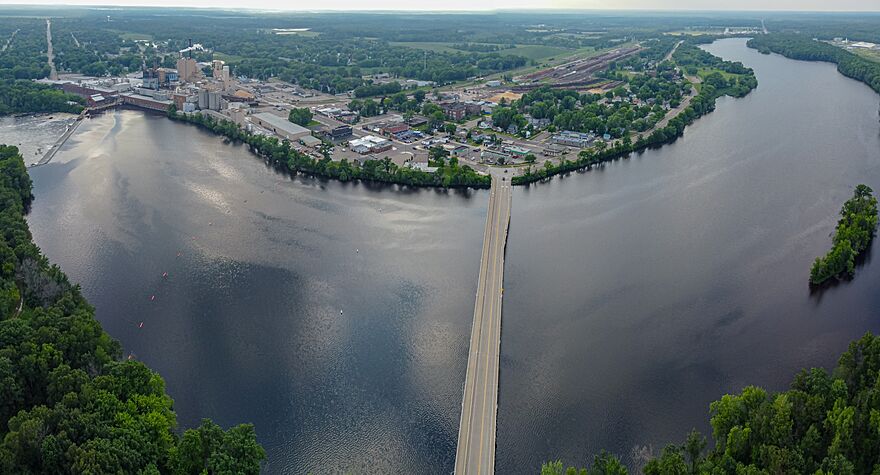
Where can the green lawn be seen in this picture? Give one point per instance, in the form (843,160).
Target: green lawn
(227,57)
(429,46)
(869,54)
(703,72)
(127,35)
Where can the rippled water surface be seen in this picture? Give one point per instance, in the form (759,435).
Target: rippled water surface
(336,317)
(637,294)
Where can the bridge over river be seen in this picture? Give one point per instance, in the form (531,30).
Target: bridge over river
(476,433)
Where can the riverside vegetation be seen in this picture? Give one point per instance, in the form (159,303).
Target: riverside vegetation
(719,78)
(23,96)
(854,233)
(797,46)
(279,153)
(824,424)
(68,402)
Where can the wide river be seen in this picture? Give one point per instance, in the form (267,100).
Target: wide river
(336,317)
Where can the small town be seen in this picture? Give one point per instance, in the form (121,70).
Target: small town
(458,120)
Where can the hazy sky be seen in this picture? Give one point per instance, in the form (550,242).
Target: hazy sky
(811,5)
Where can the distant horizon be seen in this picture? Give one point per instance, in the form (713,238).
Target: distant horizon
(464,6)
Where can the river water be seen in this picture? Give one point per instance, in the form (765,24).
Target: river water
(34,135)
(637,294)
(336,317)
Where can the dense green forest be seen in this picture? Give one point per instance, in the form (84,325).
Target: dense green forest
(23,48)
(279,153)
(857,26)
(802,47)
(854,233)
(824,424)
(21,96)
(68,402)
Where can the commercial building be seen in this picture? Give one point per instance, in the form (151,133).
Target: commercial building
(553,150)
(517,151)
(310,141)
(280,126)
(340,132)
(459,110)
(392,129)
(417,121)
(494,156)
(368,144)
(460,151)
(572,139)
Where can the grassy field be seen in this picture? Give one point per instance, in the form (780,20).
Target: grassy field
(125,35)
(703,72)
(424,45)
(227,57)
(869,54)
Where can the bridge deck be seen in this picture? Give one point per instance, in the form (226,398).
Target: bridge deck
(476,434)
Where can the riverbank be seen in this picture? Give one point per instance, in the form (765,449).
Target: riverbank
(701,244)
(803,48)
(33,134)
(42,313)
(280,154)
(703,103)
(53,149)
(710,77)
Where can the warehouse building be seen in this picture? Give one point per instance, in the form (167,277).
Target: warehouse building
(280,126)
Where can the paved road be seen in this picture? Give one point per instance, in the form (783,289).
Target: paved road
(9,41)
(476,433)
(671,52)
(53,74)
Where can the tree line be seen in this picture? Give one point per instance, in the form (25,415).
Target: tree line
(854,233)
(824,424)
(701,104)
(802,47)
(68,402)
(280,154)
(23,96)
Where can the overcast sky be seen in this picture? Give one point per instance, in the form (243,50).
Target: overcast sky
(810,5)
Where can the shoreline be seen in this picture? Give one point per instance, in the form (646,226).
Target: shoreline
(53,149)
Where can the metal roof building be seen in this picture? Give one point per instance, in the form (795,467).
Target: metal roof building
(280,126)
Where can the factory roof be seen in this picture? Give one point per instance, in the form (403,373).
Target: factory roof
(281,123)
